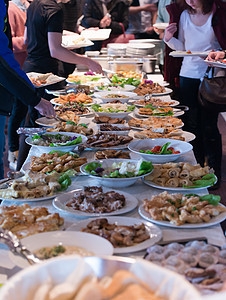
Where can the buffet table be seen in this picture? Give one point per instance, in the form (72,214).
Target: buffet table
(213,234)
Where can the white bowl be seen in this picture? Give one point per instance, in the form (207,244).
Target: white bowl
(103,96)
(125,88)
(47,149)
(120,115)
(112,182)
(167,284)
(90,242)
(148,144)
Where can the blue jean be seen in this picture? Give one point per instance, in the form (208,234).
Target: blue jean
(2,144)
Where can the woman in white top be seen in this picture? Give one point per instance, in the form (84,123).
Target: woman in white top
(196,34)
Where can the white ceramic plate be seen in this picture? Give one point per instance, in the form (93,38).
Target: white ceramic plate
(168,91)
(103,96)
(96,35)
(187,135)
(217,64)
(90,242)
(55,79)
(60,204)
(118,147)
(161,25)
(33,199)
(124,132)
(193,53)
(59,104)
(126,88)
(214,221)
(154,232)
(120,115)
(48,122)
(176,113)
(28,140)
(175,103)
(69,42)
(176,189)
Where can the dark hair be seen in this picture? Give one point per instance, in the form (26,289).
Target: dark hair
(207,6)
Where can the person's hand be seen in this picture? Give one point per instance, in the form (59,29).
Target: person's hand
(94,66)
(105,22)
(160,32)
(149,7)
(215,55)
(169,31)
(45,108)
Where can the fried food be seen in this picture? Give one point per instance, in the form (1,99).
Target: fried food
(179,209)
(177,174)
(168,123)
(147,88)
(105,154)
(75,128)
(118,235)
(155,110)
(56,162)
(32,185)
(153,134)
(154,102)
(74,98)
(23,220)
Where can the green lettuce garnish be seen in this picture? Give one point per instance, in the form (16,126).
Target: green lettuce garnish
(64,181)
(92,166)
(207,180)
(145,167)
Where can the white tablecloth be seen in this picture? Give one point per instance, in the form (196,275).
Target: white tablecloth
(213,234)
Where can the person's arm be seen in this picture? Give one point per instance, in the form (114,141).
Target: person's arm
(61,53)
(172,42)
(148,7)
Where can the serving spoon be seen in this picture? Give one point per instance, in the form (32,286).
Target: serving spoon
(14,244)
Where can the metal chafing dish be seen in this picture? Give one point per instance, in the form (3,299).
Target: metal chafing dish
(125,63)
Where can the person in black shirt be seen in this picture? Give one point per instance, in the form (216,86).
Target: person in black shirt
(44,29)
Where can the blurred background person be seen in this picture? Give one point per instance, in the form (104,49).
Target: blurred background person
(199,29)
(142,16)
(43,36)
(111,14)
(17,18)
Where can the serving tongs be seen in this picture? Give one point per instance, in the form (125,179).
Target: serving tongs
(4,183)
(14,244)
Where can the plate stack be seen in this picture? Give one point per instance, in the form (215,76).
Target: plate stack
(142,49)
(117,49)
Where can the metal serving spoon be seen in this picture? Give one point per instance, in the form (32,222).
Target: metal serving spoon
(14,244)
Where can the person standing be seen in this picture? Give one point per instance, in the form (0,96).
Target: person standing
(17,18)
(142,16)
(199,25)
(14,82)
(111,14)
